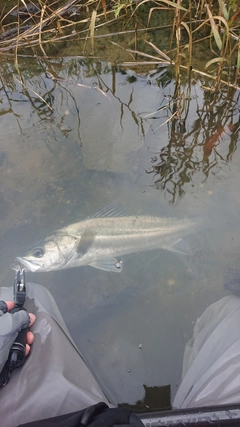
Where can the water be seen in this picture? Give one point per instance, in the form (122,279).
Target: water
(70,147)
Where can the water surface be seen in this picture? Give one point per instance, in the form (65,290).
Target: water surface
(96,133)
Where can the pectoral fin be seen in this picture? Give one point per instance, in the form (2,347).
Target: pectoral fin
(111,264)
(86,242)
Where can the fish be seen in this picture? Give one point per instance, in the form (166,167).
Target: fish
(101,240)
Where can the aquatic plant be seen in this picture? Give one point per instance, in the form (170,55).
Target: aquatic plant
(194,36)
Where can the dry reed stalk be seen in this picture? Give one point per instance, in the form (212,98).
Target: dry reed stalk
(160,61)
(92,28)
(221,25)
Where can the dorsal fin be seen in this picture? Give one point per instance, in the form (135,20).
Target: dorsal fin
(114,210)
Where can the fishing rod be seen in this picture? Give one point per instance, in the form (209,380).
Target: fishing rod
(16,356)
(207,416)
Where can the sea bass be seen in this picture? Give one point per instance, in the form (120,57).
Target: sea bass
(101,242)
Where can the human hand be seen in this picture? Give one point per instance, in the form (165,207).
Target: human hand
(10,325)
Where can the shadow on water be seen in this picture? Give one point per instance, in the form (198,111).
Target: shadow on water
(77,135)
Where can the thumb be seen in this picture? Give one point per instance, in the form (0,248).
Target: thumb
(11,324)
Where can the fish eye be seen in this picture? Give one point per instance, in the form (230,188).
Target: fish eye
(38,253)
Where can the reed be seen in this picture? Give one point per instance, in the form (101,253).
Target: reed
(40,28)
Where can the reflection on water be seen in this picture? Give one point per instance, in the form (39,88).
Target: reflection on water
(77,135)
(201,137)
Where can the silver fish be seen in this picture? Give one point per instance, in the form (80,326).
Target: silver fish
(101,241)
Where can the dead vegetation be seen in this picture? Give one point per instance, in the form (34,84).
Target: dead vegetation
(37,27)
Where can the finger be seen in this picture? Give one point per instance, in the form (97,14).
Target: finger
(32,318)
(29,337)
(10,305)
(3,308)
(27,349)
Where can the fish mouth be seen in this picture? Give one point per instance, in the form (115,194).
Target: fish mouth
(29,265)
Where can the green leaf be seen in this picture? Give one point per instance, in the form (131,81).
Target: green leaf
(216,35)
(224,11)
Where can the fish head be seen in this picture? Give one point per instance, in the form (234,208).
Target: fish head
(53,253)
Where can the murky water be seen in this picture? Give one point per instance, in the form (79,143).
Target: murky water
(73,145)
